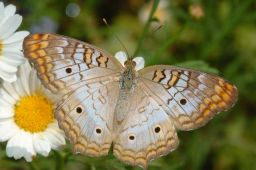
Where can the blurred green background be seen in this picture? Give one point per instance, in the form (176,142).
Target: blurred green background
(213,36)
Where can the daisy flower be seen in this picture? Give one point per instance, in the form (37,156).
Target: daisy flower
(10,42)
(27,117)
(121,56)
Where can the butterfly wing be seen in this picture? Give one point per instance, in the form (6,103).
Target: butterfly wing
(147,131)
(190,98)
(86,116)
(62,61)
(166,98)
(87,78)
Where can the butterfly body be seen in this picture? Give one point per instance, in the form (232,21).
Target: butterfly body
(106,102)
(127,84)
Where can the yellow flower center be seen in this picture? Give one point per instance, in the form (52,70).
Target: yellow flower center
(1,48)
(34,113)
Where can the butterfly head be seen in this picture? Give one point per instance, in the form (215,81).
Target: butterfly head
(130,64)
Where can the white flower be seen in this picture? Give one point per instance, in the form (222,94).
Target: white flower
(10,42)
(122,57)
(26,117)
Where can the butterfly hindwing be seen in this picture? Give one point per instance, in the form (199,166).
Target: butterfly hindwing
(191,98)
(86,116)
(147,131)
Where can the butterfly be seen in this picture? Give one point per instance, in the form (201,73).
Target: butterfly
(105,102)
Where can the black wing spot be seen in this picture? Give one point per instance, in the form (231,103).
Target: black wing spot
(131,137)
(98,130)
(79,109)
(183,101)
(157,129)
(68,70)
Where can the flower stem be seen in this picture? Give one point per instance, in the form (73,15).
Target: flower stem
(146,27)
(60,161)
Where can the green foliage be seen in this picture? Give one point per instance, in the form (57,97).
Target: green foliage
(198,65)
(222,41)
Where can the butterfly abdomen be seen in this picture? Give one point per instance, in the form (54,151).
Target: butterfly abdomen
(122,107)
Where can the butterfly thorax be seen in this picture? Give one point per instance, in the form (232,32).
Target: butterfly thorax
(128,76)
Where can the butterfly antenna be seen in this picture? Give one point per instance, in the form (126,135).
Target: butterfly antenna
(118,39)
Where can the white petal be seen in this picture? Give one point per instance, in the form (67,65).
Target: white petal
(140,62)
(24,72)
(13,58)
(9,11)
(9,77)
(17,36)
(1,11)
(25,69)
(7,97)
(7,68)
(121,56)
(8,87)
(39,85)
(55,136)
(10,26)
(4,103)
(6,112)
(41,145)
(7,129)
(12,150)
(21,145)
(18,85)
(15,62)
(17,54)
(1,7)
(13,47)
(33,81)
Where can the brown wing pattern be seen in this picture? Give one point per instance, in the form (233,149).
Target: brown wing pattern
(57,58)
(191,98)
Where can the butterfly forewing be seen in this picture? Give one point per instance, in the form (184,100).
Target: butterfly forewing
(189,97)
(62,61)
